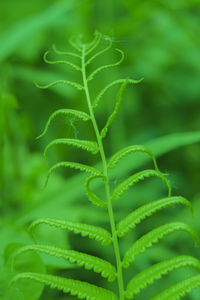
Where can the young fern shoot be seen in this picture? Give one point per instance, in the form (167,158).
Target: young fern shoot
(85,54)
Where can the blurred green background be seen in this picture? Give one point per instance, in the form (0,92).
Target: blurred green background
(161,44)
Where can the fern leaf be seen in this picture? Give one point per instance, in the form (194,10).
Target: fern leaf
(130,181)
(154,236)
(99,53)
(67,82)
(130,149)
(63,62)
(130,221)
(94,73)
(81,289)
(93,232)
(85,145)
(106,269)
(107,87)
(115,111)
(94,44)
(72,165)
(92,196)
(78,114)
(180,289)
(148,276)
(65,53)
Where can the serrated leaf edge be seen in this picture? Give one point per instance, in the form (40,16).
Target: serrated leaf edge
(135,178)
(128,150)
(155,272)
(139,214)
(72,165)
(93,232)
(78,114)
(89,146)
(154,236)
(81,289)
(106,269)
(180,289)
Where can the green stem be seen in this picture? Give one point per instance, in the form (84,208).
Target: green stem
(107,185)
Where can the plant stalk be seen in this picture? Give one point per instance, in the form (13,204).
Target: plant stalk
(107,184)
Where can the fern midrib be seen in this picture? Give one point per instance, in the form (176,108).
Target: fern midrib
(107,184)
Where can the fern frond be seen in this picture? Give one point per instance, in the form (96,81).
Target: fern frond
(106,269)
(67,82)
(61,62)
(154,236)
(148,276)
(128,150)
(93,232)
(92,196)
(94,73)
(112,117)
(130,181)
(94,44)
(78,114)
(72,165)
(84,290)
(64,53)
(89,146)
(180,289)
(108,86)
(130,221)
(99,53)
(81,289)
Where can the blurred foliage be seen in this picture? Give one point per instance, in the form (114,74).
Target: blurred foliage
(161,42)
